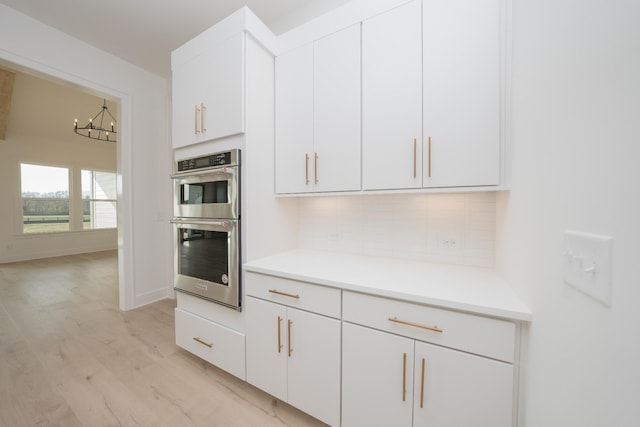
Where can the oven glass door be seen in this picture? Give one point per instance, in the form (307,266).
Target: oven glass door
(207,257)
(207,194)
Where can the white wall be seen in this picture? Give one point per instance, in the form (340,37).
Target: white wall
(144,194)
(40,132)
(576,147)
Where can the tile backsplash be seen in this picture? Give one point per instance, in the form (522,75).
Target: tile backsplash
(458,228)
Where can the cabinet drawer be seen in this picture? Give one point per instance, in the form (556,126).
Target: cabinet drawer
(305,296)
(475,334)
(218,345)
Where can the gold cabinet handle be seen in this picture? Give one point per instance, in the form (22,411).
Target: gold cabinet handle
(289,323)
(415,155)
(417,325)
(315,168)
(202,108)
(198,339)
(404,377)
(429,158)
(279,335)
(306,168)
(195,116)
(422,387)
(277,292)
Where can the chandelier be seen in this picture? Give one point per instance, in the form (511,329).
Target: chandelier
(97,128)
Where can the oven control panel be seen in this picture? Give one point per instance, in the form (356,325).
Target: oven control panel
(225,158)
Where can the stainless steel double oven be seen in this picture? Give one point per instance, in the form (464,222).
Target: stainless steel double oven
(207,225)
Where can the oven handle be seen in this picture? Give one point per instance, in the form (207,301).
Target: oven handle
(215,223)
(226,170)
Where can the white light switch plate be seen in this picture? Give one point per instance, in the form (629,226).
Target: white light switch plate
(587,264)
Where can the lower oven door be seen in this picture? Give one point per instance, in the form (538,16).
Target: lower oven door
(207,255)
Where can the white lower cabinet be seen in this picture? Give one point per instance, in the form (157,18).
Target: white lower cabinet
(217,344)
(392,380)
(294,354)
(406,364)
(353,360)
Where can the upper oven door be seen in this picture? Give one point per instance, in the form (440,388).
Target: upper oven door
(211,193)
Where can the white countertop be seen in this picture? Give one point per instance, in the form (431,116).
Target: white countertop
(472,289)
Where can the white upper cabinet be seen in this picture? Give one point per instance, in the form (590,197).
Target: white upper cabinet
(318,115)
(431,73)
(208,93)
(461,92)
(392,99)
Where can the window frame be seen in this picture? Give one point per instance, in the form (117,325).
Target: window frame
(74,200)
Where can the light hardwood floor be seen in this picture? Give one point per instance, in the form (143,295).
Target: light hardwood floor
(70,357)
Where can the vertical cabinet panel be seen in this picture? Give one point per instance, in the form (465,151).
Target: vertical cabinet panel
(461,389)
(336,129)
(392,99)
(294,120)
(373,369)
(461,45)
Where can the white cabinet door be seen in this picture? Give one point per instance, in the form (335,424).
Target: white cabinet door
(208,94)
(392,99)
(461,42)
(223,89)
(294,121)
(336,100)
(377,378)
(314,365)
(459,389)
(266,346)
(186,102)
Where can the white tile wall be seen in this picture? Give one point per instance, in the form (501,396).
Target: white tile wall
(443,228)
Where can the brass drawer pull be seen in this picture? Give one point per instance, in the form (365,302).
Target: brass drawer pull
(417,325)
(198,339)
(415,155)
(277,292)
(429,169)
(195,115)
(422,387)
(202,108)
(404,377)
(279,335)
(289,323)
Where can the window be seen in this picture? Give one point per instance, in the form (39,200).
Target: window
(49,205)
(99,199)
(45,198)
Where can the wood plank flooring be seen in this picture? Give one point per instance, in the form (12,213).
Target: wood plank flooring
(69,357)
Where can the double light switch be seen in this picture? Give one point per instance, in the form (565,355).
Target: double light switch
(587,264)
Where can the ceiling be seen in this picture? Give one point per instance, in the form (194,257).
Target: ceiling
(144,32)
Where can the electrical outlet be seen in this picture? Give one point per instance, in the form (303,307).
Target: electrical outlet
(587,264)
(448,242)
